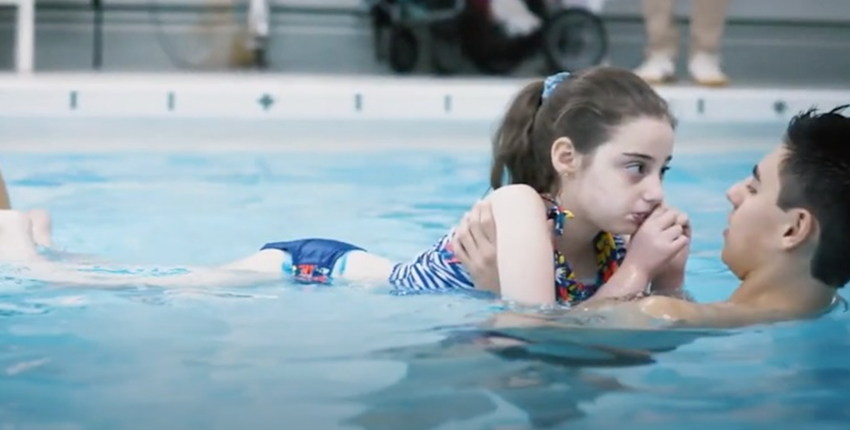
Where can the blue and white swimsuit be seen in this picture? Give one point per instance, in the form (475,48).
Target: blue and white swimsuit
(437,269)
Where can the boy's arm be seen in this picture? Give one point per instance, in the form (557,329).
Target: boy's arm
(665,311)
(671,284)
(651,313)
(682,313)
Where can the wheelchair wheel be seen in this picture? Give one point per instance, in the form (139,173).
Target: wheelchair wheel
(497,66)
(380,20)
(403,50)
(446,55)
(574,39)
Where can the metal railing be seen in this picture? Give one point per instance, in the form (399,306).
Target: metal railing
(24,34)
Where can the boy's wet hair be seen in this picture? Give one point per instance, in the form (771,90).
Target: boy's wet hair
(586,108)
(815,175)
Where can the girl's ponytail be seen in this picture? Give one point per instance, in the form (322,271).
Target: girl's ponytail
(513,153)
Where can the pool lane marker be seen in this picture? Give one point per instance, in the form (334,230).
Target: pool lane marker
(266,101)
(72,102)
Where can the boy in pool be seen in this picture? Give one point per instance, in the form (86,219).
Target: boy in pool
(788,237)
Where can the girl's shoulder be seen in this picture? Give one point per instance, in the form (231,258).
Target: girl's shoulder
(516,196)
(518,193)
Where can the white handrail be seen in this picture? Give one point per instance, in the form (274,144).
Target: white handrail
(259,14)
(25,34)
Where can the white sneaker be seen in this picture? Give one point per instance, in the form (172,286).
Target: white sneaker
(514,17)
(705,70)
(657,69)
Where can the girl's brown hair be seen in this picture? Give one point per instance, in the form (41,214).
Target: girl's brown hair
(585,107)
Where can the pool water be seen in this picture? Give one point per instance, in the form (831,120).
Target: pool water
(287,356)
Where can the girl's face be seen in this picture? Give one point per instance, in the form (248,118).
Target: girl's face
(616,187)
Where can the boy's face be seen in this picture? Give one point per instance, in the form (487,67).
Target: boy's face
(756,223)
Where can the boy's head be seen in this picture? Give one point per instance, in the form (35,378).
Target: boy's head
(797,201)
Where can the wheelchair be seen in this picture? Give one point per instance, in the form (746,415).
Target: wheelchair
(570,39)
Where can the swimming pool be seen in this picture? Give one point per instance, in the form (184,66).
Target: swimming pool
(323,358)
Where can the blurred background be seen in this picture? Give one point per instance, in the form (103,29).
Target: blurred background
(746,42)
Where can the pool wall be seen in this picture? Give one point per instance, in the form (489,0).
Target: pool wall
(308,97)
(244,111)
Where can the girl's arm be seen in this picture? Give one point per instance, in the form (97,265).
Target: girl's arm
(524,252)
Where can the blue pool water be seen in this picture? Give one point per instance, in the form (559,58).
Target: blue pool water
(282,356)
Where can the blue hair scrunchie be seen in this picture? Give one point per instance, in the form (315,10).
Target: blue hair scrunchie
(552,82)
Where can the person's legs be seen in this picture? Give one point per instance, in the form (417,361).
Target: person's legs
(266,260)
(16,241)
(362,266)
(41,228)
(662,41)
(311,261)
(39,218)
(708,20)
(316,261)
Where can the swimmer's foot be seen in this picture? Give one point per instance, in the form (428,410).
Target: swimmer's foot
(41,227)
(16,237)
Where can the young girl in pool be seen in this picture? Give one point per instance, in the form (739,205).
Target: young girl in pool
(578,163)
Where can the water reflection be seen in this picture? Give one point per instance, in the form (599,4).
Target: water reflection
(544,374)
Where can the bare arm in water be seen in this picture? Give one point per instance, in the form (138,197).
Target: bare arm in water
(660,312)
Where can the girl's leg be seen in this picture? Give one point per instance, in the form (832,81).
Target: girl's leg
(362,266)
(39,217)
(41,228)
(317,260)
(16,241)
(266,261)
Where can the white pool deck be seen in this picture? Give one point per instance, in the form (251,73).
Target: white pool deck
(348,97)
(271,98)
